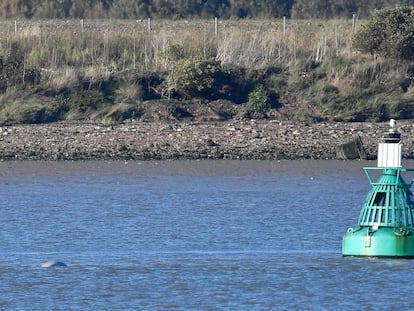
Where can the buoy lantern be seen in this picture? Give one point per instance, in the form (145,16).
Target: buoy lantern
(386,222)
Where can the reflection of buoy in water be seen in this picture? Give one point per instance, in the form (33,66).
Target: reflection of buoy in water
(386,221)
(52,263)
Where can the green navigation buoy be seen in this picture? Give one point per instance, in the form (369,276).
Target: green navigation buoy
(386,221)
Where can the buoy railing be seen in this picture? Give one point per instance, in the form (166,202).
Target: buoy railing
(398,171)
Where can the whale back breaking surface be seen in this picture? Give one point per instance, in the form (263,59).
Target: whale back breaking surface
(52,263)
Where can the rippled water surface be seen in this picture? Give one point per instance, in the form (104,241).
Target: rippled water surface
(189,235)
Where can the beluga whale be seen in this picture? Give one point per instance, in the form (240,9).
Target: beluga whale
(52,263)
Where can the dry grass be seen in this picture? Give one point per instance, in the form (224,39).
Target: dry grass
(64,78)
(322,74)
(121,45)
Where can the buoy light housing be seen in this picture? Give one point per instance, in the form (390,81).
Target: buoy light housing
(390,147)
(386,221)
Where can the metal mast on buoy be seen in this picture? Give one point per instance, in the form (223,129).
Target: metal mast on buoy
(386,221)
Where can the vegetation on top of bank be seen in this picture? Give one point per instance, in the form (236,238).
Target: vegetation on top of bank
(173,9)
(112,71)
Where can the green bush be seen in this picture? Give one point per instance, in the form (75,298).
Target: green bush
(196,78)
(259,100)
(389,33)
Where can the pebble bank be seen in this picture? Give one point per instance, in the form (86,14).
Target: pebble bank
(245,139)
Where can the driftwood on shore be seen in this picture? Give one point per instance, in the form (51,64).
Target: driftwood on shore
(351,150)
(247,139)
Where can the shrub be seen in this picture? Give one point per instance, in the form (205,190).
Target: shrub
(389,33)
(259,100)
(196,78)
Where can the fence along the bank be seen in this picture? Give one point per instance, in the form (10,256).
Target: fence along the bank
(151,45)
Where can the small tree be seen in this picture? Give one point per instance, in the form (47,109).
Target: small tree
(388,33)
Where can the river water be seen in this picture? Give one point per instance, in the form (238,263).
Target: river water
(189,235)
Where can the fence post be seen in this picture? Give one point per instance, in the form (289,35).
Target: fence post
(216,26)
(353,21)
(135,50)
(82,25)
(149,24)
(15,26)
(284,25)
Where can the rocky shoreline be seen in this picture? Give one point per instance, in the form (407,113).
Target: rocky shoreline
(235,139)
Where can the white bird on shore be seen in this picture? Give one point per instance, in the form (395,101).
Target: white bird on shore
(393,124)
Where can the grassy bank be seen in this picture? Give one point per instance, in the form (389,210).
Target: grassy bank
(105,70)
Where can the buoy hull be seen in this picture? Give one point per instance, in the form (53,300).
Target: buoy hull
(383,242)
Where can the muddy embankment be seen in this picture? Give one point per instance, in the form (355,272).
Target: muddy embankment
(247,139)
